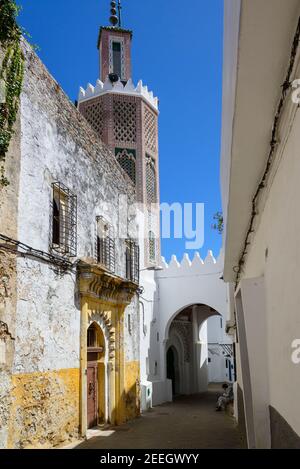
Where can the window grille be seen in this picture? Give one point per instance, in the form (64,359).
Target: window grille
(152,247)
(127,160)
(150,120)
(125,121)
(64,220)
(132,261)
(105,245)
(94,114)
(151,180)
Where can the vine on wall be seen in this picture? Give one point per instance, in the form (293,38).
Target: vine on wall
(11,77)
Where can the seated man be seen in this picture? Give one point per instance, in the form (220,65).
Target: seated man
(226,397)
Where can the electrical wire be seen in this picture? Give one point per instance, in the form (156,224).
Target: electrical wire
(22,249)
(273,144)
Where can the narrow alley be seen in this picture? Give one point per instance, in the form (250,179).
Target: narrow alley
(188,423)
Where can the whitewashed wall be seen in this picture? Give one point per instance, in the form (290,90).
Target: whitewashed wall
(58,145)
(176,287)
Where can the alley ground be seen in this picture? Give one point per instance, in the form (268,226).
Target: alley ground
(188,423)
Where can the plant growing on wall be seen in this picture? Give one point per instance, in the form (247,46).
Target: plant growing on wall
(11,77)
(219,222)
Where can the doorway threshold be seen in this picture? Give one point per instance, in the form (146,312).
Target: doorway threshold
(100,430)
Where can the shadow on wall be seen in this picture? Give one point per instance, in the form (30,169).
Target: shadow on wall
(182,357)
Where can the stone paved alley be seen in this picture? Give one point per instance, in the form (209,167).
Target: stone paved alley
(188,423)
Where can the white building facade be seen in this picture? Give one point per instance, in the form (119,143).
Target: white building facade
(178,305)
(260,184)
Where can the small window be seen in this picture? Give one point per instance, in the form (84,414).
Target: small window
(221,323)
(56,222)
(152,247)
(117,63)
(129,324)
(151,185)
(105,248)
(95,341)
(132,261)
(92,336)
(127,161)
(64,220)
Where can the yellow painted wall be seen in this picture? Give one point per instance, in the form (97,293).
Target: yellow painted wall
(132,389)
(45,409)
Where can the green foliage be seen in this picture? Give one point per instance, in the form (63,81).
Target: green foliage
(8,26)
(219,225)
(11,77)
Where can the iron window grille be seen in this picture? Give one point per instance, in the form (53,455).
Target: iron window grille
(127,160)
(151,185)
(105,245)
(64,220)
(132,261)
(152,247)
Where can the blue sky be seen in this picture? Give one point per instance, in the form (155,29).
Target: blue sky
(177,52)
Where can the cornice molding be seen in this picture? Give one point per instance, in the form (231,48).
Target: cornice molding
(97,283)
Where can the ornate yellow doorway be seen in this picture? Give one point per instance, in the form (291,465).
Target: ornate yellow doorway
(104,375)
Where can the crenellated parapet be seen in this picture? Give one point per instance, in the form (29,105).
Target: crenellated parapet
(196,266)
(118,87)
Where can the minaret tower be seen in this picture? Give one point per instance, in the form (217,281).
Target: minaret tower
(125,117)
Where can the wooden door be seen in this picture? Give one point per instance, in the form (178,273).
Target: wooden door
(92,395)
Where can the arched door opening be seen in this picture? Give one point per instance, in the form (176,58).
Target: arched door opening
(173,373)
(96,376)
(186,349)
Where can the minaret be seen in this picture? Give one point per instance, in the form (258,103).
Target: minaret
(125,116)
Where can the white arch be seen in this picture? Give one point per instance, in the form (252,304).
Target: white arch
(174,315)
(179,286)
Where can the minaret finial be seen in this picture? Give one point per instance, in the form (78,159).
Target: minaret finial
(114,18)
(120,13)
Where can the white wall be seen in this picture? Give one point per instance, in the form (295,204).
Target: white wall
(278,232)
(264,50)
(217,370)
(174,288)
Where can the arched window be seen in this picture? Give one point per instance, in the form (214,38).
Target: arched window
(92,337)
(95,338)
(152,247)
(126,159)
(151,187)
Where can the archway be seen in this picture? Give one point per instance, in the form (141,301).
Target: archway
(186,349)
(96,376)
(173,372)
